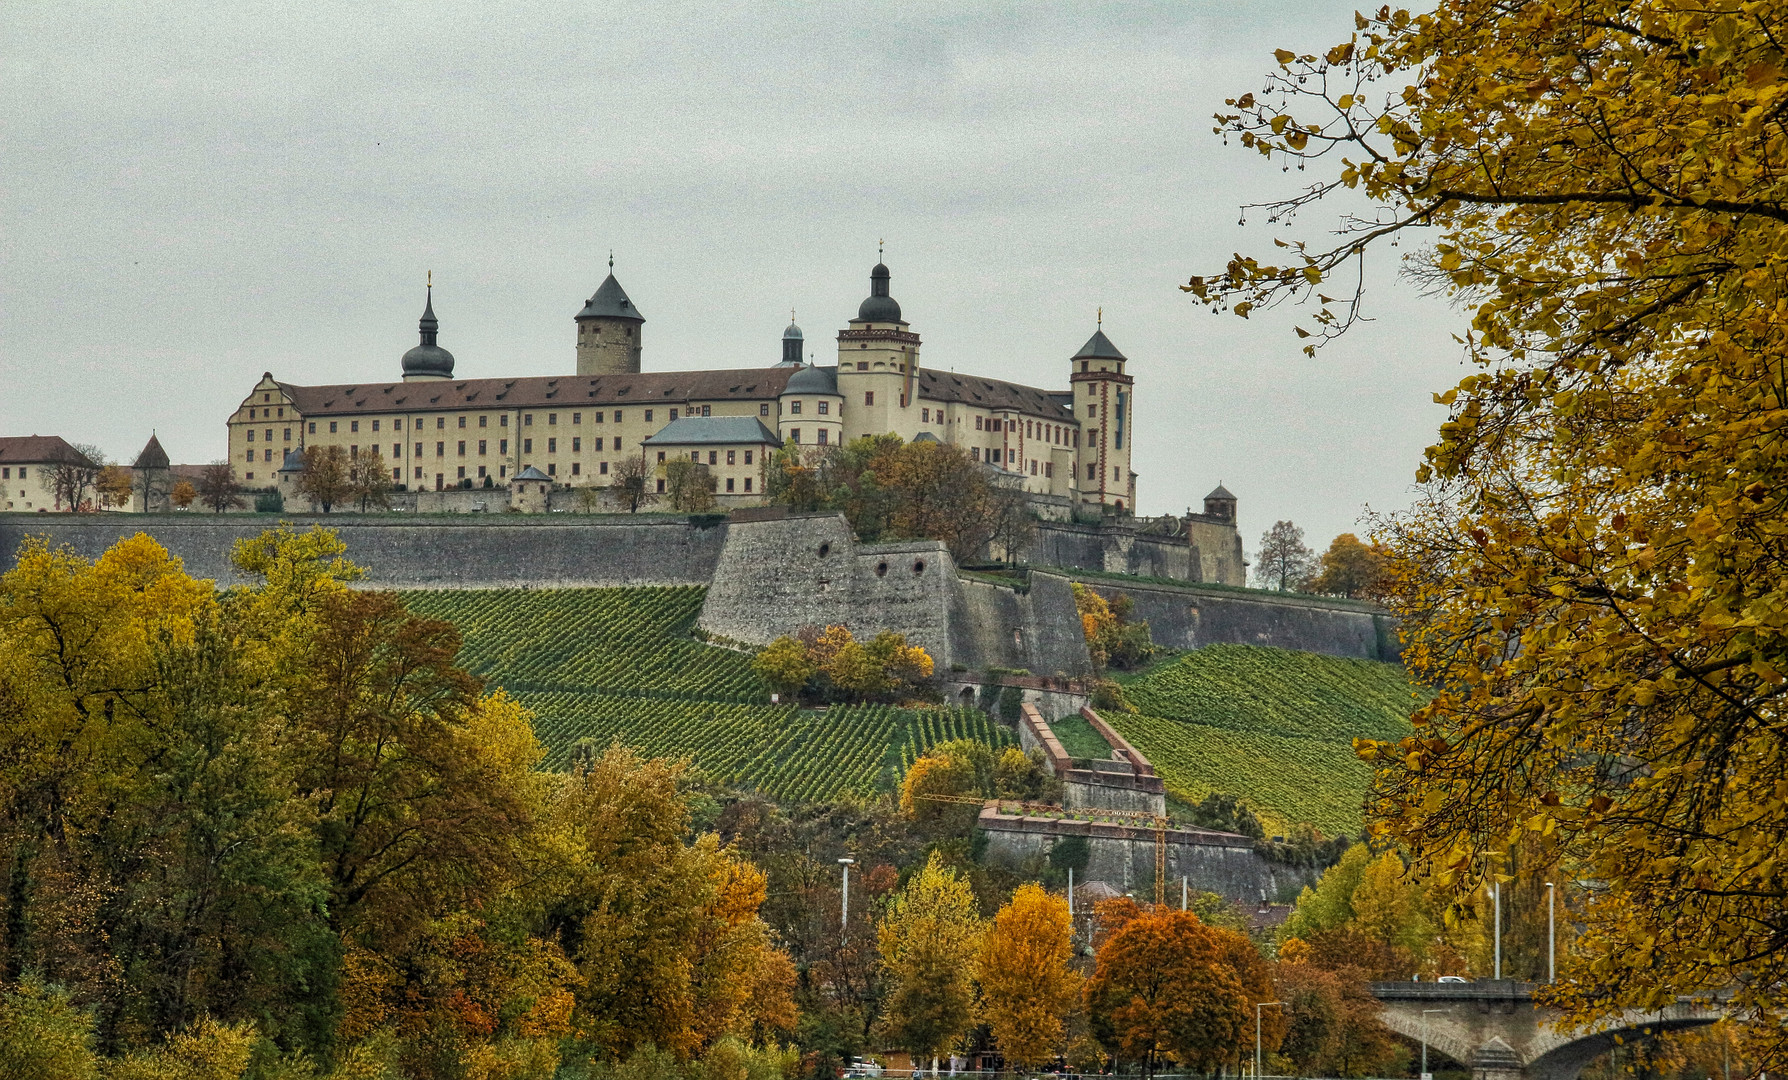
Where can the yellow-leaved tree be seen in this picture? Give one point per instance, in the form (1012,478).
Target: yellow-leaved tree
(928,942)
(1028,986)
(1594,579)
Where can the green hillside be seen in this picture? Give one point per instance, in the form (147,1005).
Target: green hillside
(1271,726)
(603,664)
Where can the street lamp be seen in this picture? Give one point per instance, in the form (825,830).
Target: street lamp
(1551,933)
(844,919)
(1259,1006)
(1496,899)
(1425,1074)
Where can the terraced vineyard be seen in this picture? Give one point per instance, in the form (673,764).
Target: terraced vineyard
(607,664)
(1272,726)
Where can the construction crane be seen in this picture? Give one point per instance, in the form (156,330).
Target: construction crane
(1155,821)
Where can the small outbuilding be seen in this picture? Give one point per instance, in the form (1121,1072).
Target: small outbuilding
(530,491)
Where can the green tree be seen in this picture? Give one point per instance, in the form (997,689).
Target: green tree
(784,666)
(928,942)
(369,481)
(688,486)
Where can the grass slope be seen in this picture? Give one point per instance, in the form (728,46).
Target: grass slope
(1271,726)
(607,664)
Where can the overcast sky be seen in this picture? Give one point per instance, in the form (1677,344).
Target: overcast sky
(196,193)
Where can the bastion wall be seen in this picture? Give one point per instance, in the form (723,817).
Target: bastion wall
(1190,617)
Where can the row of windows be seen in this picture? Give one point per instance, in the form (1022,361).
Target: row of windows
(288,432)
(822,439)
(6,474)
(503,419)
(794,408)
(1092,473)
(730,490)
(713,457)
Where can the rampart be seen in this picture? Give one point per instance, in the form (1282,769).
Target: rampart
(1193,616)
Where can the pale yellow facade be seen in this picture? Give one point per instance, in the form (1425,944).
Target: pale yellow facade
(438,433)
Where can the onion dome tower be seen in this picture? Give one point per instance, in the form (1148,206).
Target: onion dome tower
(427,360)
(792,344)
(608,330)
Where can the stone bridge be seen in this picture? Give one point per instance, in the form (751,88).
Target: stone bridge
(1498,1030)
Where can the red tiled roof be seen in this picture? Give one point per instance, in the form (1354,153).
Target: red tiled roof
(544,391)
(992,394)
(33,449)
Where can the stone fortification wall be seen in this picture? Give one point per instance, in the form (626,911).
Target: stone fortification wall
(776,576)
(419,553)
(1125,782)
(1188,617)
(1123,856)
(1037,629)
(1210,550)
(1219,550)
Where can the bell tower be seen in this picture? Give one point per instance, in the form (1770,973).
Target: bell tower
(1106,411)
(878,365)
(608,330)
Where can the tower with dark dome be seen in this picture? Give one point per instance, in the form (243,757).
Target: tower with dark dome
(608,330)
(428,360)
(792,345)
(878,360)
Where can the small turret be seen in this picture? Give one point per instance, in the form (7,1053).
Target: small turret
(1220,504)
(428,360)
(792,344)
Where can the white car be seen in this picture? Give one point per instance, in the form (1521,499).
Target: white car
(1453,979)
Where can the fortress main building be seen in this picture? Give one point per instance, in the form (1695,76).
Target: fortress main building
(436,432)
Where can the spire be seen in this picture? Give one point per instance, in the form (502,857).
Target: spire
(429,325)
(428,360)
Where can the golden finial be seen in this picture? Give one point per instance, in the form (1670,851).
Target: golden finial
(880,246)
(431,279)
(1101,315)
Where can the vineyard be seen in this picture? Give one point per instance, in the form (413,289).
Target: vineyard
(1271,726)
(600,665)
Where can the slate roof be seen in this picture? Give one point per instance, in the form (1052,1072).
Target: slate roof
(543,391)
(993,394)
(40,449)
(152,457)
(610,302)
(713,430)
(531,473)
(1099,347)
(814,380)
(1222,493)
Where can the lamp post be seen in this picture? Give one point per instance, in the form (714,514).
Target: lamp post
(844,913)
(1259,1006)
(1496,899)
(1551,933)
(1425,1074)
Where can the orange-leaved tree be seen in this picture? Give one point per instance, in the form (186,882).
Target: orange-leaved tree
(1593,580)
(1164,989)
(1028,986)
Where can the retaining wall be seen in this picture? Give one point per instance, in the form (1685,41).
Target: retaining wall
(1188,617)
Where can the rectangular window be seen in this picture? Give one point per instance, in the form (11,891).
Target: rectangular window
(1090,474)
(794,434)
(483,421)
(269,435)
(251,434)
(440,424)
(249,476)
(462,421)
(5,474)
(599,414)
(287,434)
(462,473)
(503,446)
(825,408)
(748,483)
(577,444)
(353,451)
(602,467)
(552,468)
(503,420)
(527,446)
(977,423)
(552,446)
(661,487)
(502,471)
(747,457)
(764,409)
(975,452)
(266,455)
(282,414)
(481,445)
(617,442)
(354,426)
(375,425)
(707,410)
(729,485)
(673,414)
(397,425)
(440,449)
(869,397)
(313,427)
(822,436)
(528,419)
(617,416)
(925,416)
(552,418)
(397,451)
(730,454)
(480,472)
(577,418)
(397,474)
(648,416)
(1114,474)
(1033,468)
(1092,410)
(695,456)
(577,468)
(418,449)
(794,408)
(713,457)
(251,457)
(418,472)
(661,457)
(331,427)
(462,448)
(1048,469)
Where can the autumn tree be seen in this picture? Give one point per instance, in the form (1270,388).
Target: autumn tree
(1113,638)
(325,479)
(1163,988)
(784,666)
(838,666)
(218,489)
(113,486)
(184,493)
(369,480)
(1283,562)
(74,474)
(631,486)
(1592,577)
(1028,986)
(688,487)
(1352,569)
(928,941)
